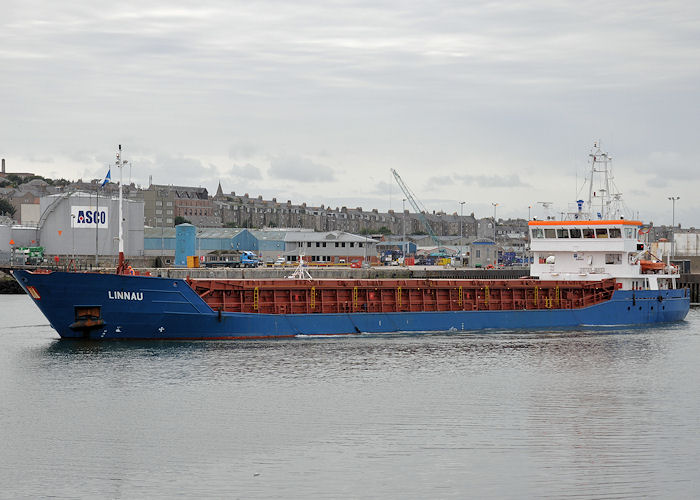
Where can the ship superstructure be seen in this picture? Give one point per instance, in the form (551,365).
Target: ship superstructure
(592,250)
(596,240)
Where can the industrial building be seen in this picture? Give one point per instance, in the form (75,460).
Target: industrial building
(82,224)
(330,246)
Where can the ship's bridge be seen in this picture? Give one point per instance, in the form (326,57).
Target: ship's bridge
(593,250)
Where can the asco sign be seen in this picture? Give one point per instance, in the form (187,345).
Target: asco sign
(89,217)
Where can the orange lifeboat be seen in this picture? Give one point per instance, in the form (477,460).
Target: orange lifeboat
(651,266)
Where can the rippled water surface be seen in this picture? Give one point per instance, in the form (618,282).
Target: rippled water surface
(579,414)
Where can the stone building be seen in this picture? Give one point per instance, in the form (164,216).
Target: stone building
(162,204)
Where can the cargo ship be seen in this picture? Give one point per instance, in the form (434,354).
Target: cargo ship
(586,271)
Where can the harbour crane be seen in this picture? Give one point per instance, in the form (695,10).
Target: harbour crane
(417,206)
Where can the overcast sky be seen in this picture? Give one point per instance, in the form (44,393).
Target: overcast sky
(481,102)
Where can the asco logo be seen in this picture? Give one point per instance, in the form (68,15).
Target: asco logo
(89,217)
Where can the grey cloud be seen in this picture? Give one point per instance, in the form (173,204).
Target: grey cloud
(247,171)
(42,159)
(383,188)
(169,169)
(242,150)
(483,181)
(664,168)
(300,169)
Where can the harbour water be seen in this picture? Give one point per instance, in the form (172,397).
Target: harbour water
(576,414)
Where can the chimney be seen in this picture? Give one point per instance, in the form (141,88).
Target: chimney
(3,165)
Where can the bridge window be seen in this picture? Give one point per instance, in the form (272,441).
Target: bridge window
(550,233)
(629,232)
(615,232)
(537,232)
(562,233)
(588,233)
(601,232)
(613,258)
(575,233)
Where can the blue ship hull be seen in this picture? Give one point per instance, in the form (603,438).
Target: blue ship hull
(139,307)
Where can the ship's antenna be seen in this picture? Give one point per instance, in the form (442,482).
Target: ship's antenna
(605,190)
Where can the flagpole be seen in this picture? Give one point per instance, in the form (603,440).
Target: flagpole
(120,266)
(97,222)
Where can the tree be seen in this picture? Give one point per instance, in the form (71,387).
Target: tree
(6,208)
(14,180)
(181,220)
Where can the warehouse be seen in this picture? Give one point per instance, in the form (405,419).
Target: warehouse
(331,246)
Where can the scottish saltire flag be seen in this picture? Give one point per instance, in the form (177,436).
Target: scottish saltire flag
(108,177)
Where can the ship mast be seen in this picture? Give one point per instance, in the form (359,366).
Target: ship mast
(604,200)
(120,163)
(600,164)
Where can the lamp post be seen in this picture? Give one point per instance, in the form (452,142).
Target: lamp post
(673,226)
(529,210)
(403,239)
(365,259)
(494,220)
(461,231)
(198,237)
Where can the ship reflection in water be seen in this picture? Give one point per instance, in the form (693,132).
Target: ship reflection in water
(578,413)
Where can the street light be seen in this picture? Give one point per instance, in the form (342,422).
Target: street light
(529,210)
(494,220)
(461,231)
(673,226)
(403,239)
(198,237)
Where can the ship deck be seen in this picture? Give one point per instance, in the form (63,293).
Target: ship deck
(285,296)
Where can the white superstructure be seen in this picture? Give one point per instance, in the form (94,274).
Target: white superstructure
(596,241)
(588,250)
